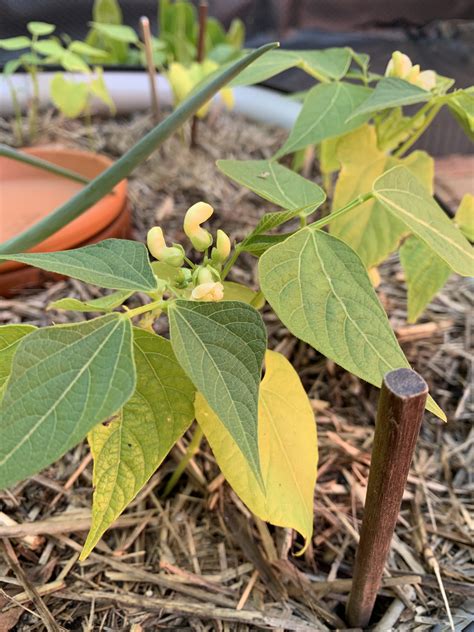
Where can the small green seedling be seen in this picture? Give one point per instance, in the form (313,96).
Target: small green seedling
(71,97)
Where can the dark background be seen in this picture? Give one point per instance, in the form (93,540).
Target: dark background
(437,34)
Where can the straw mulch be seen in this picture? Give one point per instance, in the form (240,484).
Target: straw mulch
(198,560)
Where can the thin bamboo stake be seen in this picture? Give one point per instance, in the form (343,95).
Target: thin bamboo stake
(400,412)
(203,8)
(155,106)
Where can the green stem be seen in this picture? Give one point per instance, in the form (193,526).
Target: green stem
(408,143)
(230,263)
(108,179)
(406,127)
(143,309)
(192,449)
(342,211)
(28,159)
(33,126)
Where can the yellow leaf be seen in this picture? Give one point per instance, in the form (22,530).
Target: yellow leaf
(287,446)
(465,216)
(238,292)
(371,230)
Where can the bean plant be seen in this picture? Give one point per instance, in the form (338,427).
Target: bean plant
(134,393)
(70,96)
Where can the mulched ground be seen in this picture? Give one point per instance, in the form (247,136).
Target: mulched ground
(198,560)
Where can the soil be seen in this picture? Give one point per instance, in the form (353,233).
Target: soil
(198,560)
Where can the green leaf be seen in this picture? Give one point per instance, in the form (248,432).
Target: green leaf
(288,450)
(274,183)
(258,244)
(73,63)
(221,347)
(117,32)
(274,62)
(370,229)
(238,292)
(406,198)
(51,48)
(70,97)
(325,111)
(11,66)
(320,290)
(40,28)
(425,275)
(15,43)
(236,34)
(103,304)
(464,219)
(98,88)
(461,105)
(391,92)
(81,48)
(129,449)
(10,337)
(64,380)
(330,63)
(107,11)
(118,264)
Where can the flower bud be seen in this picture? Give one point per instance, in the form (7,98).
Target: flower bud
(426,80)
(222,249)
(174,255)
(198,213)
(183,278)
(205,274)
(412,76)
(399,66)
(213,291)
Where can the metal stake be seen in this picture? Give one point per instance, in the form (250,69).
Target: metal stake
(400,411)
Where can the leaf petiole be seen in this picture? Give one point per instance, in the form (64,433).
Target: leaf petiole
(342,211)
(143,309)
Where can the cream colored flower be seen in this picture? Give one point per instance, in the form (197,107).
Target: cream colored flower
(213,291)
(197,214)
(156,243)
(222,249)
(399,66)
(426,80)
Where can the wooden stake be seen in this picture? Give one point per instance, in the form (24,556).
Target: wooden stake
(400,411)
(203,7)
(155,108)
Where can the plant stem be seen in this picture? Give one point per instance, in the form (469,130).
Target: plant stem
(408,143)
(14,154)
(192,449)
(155,107)
(33,127)
(230,263)
(342,211)
(407,126)
(106,181)
(143,309)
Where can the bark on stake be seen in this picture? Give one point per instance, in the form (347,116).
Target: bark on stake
(400,411)
(203,7)
(155,108)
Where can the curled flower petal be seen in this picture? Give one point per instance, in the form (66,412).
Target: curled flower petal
(195,216)
(213,291)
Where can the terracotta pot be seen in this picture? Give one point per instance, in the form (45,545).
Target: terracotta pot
(28,194)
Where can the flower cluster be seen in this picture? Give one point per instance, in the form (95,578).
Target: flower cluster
(402,67)
(204,279)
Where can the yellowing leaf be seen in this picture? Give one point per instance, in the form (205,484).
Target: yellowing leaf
(287,445)
(425,275)
(465,216)
(407,199)
(128,449)
(238,292)
(371,230)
